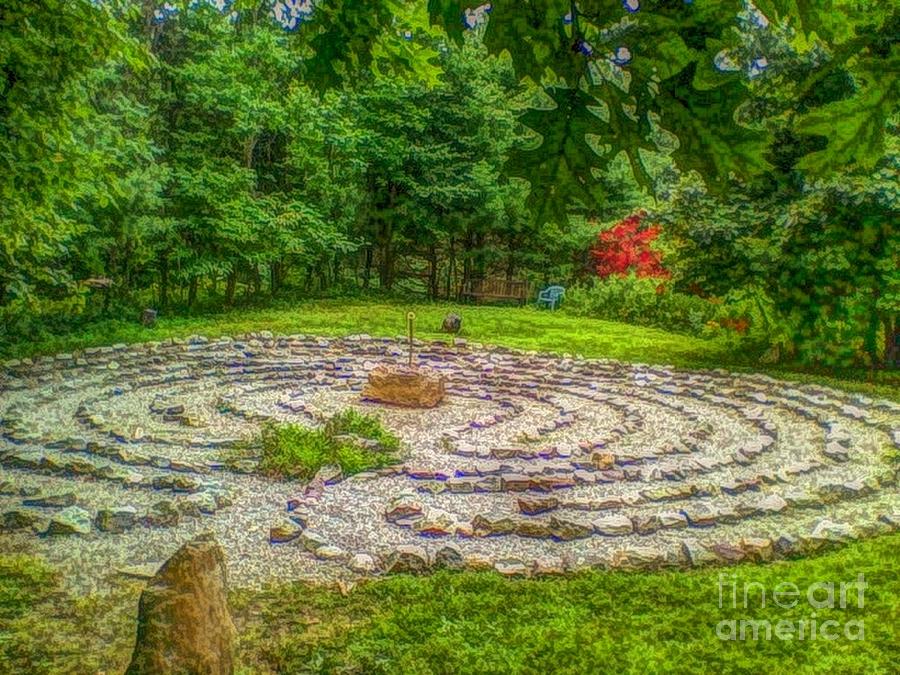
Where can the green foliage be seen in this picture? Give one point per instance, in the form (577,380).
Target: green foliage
(46,629)
(355,423)
(295,451)
(641,302)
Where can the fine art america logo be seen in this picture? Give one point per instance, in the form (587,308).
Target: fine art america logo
(819,596)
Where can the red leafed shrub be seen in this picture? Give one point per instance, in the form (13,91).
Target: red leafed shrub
(627,247)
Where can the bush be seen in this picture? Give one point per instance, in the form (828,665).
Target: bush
(295,451)
(351,422)
(645,302)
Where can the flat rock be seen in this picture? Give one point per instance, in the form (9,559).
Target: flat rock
(116,520)
(285,531)
(407,559)
(613,525)
(449,557)
(535,505)
(330,552)
(71,520)
(362,563)
(56,501)
(637,557)
(511,568)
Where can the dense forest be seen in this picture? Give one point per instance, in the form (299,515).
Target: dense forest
(721,168)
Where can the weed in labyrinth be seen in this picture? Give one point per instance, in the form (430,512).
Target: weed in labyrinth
(350,440)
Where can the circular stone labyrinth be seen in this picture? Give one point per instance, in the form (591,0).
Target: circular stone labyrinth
(114,456)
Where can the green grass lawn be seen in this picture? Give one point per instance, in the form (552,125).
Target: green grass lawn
(525,328)
(590,622)
(593,621)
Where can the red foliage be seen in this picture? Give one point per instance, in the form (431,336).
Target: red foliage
(627,246)
(739,325)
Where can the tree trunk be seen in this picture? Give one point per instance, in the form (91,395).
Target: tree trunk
(192,291)
(386,263)
(891,343)
(257,280)
(367,269)
(451,269)
(230,287)
(164,282)
(432,273)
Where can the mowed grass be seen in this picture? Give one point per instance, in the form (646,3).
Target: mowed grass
(592,622)
(519,327)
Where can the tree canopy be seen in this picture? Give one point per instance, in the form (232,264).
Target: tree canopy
(199,147)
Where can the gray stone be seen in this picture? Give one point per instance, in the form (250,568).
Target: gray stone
(312,540)
(566,529)
(330,552)
(638,557)
(162,514)
(20,519)
(511,568)
(449,557)
(407,559)
(836,452)
(71,520)
(203,502)
(770,504)
(700,515)
(116,520)
(362,563)
(52,501)
(697,554)
(830,531)
(451,324)
(284,531)
(613,525)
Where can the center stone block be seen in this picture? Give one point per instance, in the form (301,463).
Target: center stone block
(411,387)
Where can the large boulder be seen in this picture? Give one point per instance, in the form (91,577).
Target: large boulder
(184,625)
(412,387)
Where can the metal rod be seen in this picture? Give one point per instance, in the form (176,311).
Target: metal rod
(410,318)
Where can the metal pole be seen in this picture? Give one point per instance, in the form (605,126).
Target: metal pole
(410,318)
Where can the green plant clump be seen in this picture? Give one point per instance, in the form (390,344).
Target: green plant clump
(641,301)
(295,451)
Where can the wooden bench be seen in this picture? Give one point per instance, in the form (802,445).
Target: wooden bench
(496,289)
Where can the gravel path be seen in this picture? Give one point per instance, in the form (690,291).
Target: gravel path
(533,464)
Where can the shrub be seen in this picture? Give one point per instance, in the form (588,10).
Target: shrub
(626,248)
(351,422)
(295,451)
(643,301)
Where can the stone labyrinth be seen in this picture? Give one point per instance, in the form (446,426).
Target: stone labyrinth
(112,457)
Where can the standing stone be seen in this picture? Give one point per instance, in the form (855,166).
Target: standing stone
(452,323)
(184,625)
(148,318)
